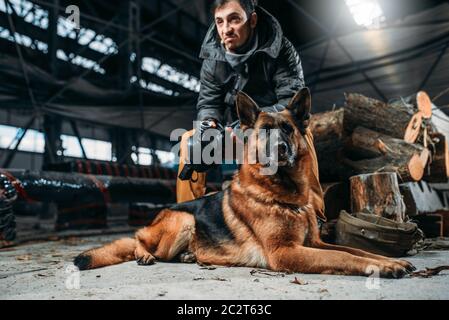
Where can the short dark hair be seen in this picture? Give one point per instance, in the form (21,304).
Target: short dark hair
(248,5)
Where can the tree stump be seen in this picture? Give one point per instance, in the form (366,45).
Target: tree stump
(398,121)
(379,194)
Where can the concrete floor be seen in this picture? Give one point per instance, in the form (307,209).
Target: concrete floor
(44,271)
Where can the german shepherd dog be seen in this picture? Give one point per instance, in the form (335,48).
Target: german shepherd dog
(259,221)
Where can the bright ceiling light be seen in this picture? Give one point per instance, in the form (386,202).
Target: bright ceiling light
(366,13)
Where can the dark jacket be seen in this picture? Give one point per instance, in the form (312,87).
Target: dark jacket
(271,76)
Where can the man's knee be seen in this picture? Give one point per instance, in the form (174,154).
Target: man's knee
(187,135)
(184,143)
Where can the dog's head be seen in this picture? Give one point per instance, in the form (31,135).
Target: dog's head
(289,144)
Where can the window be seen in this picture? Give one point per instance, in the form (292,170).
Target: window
(33,141)
(166,158)
(39,17)
(144,157)
(95,149)
(7,135)
(167,72)
(98,150)
(79,61)
(154,87)
(35,15)
(71,146)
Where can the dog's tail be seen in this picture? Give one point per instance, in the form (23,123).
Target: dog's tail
(113,253)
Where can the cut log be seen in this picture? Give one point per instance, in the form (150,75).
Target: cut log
(328,133)
(327,125)
(336,199)
(379,194)
(391,155)
(371,144)
(329,137)
(418,102)
(398,121)
(438,169)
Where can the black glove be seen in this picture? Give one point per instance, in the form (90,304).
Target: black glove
(196,143)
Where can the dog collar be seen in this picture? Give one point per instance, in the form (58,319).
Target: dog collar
(296,209)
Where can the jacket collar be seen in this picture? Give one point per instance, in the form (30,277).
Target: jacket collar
(270,38)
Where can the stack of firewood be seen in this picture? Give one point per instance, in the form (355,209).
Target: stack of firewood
(367,138)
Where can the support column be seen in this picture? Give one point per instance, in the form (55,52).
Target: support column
(53,143)
(53,37)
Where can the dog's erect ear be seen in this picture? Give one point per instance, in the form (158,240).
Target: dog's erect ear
(301,104)
(247,110)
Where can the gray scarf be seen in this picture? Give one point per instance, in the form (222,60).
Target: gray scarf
(236,60)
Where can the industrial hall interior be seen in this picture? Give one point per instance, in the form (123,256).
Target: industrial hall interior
(95,96)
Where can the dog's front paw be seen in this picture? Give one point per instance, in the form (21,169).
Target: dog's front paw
(187,257)
(392,270)
(143,257)
(145,260)
(407,265)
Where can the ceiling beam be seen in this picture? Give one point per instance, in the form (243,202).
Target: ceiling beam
(330,35)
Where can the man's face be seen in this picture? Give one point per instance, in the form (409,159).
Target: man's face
(233,25)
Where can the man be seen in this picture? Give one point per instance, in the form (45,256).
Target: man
(243,50)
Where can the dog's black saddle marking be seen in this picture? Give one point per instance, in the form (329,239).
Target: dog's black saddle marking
(210,226)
